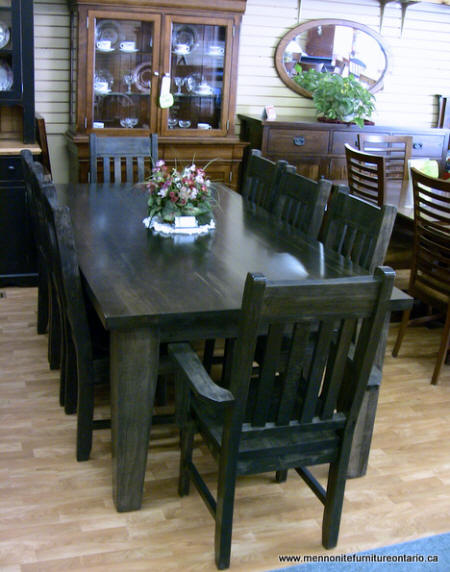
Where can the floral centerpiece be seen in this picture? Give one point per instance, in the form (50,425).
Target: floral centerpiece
(174,194)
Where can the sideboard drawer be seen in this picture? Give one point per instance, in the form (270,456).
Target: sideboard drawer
(340,138)
(427,145)
(288,141)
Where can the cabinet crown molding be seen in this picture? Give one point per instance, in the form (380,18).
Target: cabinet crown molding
(237,6)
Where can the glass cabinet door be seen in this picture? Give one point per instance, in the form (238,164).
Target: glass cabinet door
(10,72)
(197,62)
(123,82)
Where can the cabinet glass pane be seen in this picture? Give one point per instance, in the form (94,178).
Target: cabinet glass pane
(6,52)
(122,73)
(197,66)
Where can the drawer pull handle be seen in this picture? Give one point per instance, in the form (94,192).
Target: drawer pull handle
(299,141)
(417,145)
(11,168)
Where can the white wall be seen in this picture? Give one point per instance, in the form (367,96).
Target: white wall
(418,64)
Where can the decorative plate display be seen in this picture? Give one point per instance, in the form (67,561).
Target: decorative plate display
(110,31)
(6,77)
(142,77)
(4,34)
(185,35)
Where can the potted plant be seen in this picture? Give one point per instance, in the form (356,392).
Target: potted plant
(335,97)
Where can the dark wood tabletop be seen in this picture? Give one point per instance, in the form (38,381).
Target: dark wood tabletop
(148,288)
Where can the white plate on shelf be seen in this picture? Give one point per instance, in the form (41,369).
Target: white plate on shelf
(126,51)
(142,77)
(110,31)
(105,50)
(6,77)
(4,34)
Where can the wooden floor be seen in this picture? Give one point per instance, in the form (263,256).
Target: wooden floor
(57,514)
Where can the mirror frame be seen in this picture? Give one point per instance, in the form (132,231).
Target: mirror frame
(279,53)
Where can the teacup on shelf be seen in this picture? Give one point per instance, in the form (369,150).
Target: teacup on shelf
(104,46)
(129,122)
(128,46)
(184,123)
(181,49)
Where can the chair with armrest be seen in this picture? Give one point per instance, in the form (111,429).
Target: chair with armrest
(366,175)
(123,159)
(430,272)
(86,342)
(302,417)
(260,185)
(301,202)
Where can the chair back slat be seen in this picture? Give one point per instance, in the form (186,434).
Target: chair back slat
(366,175)
(358,230)
(127,159)
(396,150)
(314,375)
(267,375)
(292,376)
(301,202)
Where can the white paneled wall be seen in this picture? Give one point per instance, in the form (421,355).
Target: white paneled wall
(418,61)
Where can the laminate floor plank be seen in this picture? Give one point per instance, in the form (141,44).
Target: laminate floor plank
(58,515)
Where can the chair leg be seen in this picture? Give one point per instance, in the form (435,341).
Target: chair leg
(443,349)
(224,512)
(281,476)
(54,332)
(187,444)
(71,375)
(337,476)
(42,307)
(208,354)
(85,420)
(401,332)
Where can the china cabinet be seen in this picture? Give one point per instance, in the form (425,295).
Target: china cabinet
(17,132)
(142,66)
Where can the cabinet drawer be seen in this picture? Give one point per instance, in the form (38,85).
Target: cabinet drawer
(427,145)
(284,141)
(10,169)
(340,138)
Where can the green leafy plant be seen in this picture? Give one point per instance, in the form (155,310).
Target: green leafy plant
(337,97)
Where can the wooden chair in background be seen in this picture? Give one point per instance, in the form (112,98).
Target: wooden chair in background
(305,418)
(358,230)
(366,175)
(301,202)
(260,184)
(430,272)
(42,141)
(396,150)
(86,342)
(123,159)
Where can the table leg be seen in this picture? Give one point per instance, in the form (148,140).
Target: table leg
(362,437)
(133,373)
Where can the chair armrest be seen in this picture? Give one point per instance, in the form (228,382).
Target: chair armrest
(199,380)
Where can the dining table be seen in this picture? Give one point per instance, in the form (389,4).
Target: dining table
(149,288)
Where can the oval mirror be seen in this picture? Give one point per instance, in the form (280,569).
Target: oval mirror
(338,46)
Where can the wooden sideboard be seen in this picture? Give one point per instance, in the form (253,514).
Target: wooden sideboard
(317,149)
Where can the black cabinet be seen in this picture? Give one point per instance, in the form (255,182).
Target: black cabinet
(17,61)
(17,251)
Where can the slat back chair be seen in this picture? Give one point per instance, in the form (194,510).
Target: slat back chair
(307,417)
(260,184)
(42,140)
(430,271)
(86,342)
(365,174)
(48,317)
(301,202)
(396,150)
(357,229)
(123,159)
